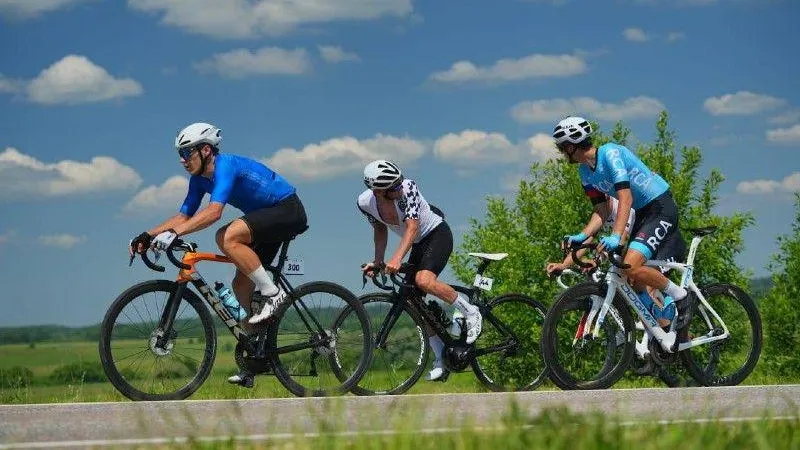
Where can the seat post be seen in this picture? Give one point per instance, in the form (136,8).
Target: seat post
(482,266)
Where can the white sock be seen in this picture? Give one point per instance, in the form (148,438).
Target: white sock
(463,304)
(263,282)
(675,291)
(437,344)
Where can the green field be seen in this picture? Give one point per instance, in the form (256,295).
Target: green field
(43,359)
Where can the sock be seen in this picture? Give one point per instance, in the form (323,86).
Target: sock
(263,282)
(675,291)
(463,304)
(437,345)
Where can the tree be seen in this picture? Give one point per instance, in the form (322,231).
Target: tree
(779,309)
(551,204)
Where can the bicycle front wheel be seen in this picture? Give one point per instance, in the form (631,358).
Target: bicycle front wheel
(512,324)
(314,352)
(729,361)
(146,362)
(587,363)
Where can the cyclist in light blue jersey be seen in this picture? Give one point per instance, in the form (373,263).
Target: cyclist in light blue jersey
(614,170)
(272,213)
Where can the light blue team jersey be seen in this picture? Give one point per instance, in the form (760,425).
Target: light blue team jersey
(243,182)
(618,168)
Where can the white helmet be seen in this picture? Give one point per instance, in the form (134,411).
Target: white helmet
(572,129)
(381,174)
(198,133)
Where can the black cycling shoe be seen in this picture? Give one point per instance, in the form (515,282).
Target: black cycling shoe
(685,307)
(244,379)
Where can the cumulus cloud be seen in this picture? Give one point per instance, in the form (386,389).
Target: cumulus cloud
(674,36)
(23,176)
(784,135)
(64,241)
(634,34)
(340,155)
(246,19)
(742,103)
(790,183)
(512,69)
(243,63)
(475,147)
(550,110)
(26,9)
(158,198)
(335,54)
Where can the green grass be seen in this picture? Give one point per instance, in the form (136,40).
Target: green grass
(44,358)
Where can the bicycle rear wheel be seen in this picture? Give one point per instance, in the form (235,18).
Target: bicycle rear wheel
(130,353)
(595,363)
(517,319)
(730,361)
(314,352)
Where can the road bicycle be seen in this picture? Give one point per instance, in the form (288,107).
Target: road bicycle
(642,363)
(505,357)
(585,351)
(155,352)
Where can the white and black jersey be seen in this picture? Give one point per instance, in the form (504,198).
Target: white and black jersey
(412,205)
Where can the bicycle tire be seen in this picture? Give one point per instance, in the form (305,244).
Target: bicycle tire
(364,387)
(107,326)
(696,369)
(575,296)
(283,374)
(539,312)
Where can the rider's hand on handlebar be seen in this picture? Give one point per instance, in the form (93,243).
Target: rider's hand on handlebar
(164,239)
(393,266)
(369,269)
(554,269)
(140,243)
(609,243)
(573,241)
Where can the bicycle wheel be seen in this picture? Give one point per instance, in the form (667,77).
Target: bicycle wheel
(595,363)
(399,361)
(180,366)
(309,345)
(514,319)
(742,349)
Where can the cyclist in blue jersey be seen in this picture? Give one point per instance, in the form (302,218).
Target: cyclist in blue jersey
(614,170)
(272,213)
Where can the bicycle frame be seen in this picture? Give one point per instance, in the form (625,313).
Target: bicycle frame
(617,283)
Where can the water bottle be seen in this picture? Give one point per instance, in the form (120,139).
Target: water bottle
(229,301)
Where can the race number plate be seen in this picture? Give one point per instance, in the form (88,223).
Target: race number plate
(294,267)
(482,282)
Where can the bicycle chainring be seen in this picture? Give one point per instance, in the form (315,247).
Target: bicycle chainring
(252,365)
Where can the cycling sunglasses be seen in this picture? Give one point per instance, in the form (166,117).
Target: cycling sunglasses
(186,153)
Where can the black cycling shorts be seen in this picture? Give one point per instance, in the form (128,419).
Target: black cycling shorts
(269,227)
(655,231)
(433,251)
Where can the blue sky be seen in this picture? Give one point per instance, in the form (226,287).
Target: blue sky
(461,94)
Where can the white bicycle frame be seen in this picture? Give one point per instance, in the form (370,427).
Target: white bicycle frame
(617,284)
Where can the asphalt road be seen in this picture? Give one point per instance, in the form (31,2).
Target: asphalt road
(99,424)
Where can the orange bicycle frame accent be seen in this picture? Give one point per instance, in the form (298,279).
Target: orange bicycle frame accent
(192,258)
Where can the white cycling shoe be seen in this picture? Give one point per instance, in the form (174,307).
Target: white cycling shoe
(474,323)
(271,304)
(438,373)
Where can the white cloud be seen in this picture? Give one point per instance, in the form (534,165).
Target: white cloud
(476,148)
(243,63)
(158,198)
(674,36)
(786,118)
(25,9)
(554,109)
(741,103)
(9,86)
(509,69)
(339,155)
(252,18)
(542,147)
(635,35)
(335,54)
(64,241)
(790,183)
(75,79)
(784,135)
(22,176)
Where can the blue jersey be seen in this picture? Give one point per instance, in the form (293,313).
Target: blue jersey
(243,182)
(619,168)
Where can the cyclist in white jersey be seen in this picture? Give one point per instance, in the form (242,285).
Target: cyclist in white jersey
(395,203)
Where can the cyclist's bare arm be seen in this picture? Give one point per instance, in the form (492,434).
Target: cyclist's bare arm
(380,234)
(412,230)
(172,222)
(202,219)
(625,198)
